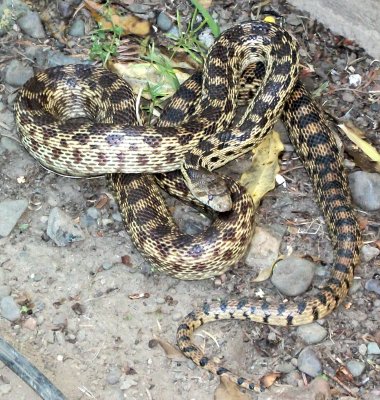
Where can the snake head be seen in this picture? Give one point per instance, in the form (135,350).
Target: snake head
(209,188)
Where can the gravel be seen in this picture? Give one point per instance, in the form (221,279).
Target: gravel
(113,376)
(356,367)
(373,285)
(164,22)
(368,252)
(10,213)
(62,230)
(373,348)
(31,25)
(77,29)
(365,188)
(16,73)
(312,333)
(9,309)
(293,276)
(309,363)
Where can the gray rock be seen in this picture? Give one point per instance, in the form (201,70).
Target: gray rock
(164,22)
(9,144)
(373,285)
(309,363)
(368,252)
(365,188)
(312,333)
(137,8)
(107,265)
(356,367)
(293,276)
(93,212)
(113,376)
(16,73)
(7,118)
(373,348)
(4,291)
(206,37)
(362,349)
(31,25)
(10,212)
(77,29)
(55,58)
(5,388)
(9,309)
(61,228)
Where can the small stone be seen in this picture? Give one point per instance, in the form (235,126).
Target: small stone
(31,25)
(9,309)
(368,252)
(309,363)
(206,37)
(164,22)
(312,333)
(177,316)
(93,212)
(5,388)
(30,323)
(293,276)
(4,291)
(60,357)
(137,8)
(10,213)
(77,29)
(263,251)
(127,383)
(363,349)
(348,97)
(59,321)
(113,376)
(356,367)
(60,338)
(107,265)
(365,188)
(373,285)
(117,217)
(285,368)
(373,348)
(61,228)
(50,337)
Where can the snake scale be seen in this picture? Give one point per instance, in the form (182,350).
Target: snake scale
(195,136)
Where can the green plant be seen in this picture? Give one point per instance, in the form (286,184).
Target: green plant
(105,43)
(215,28)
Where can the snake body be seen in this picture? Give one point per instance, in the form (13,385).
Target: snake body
(195,136)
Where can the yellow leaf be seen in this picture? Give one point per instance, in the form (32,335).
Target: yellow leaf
(107,17)
(139,74)
(261,177)
(354,134)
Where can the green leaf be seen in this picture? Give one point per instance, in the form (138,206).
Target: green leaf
(215,29)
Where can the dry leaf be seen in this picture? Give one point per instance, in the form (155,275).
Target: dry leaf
(229,391)
(264,274)
(139,74)
(344,375)
(171,352)
(269,379)
(261,178)
(107,17)
(137,296)
(356,136)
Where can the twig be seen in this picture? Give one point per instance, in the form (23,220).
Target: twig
(340,383)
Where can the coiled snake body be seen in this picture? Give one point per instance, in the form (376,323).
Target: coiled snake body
(195,135)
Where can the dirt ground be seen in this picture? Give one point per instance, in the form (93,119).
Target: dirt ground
(85,329)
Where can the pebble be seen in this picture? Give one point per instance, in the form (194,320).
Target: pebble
(312,333)
(16,73)
(309,363)
(113,376)
(368,253)
(263,251)
(139,8)
(362,349)
(373,348)
(77,29)
(127,383)
(293,276)
(93,212)
(285,368)
(10,213)
(61,228)
(206,37)
(5,388)
(176,316)
(365,188)
(189,221)
(107,265)
(164,22)
(348,97)
(373,285)
(9,309)
(4,291)
(31,25)
(356,367)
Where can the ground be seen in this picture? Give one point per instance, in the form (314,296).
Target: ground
(93,308)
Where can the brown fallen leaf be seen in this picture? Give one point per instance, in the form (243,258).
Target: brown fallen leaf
(343,374)
(136,296)
(107,17)
(269,379)
(171,352)
(228,390)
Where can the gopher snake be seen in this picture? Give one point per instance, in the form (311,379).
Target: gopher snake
(111,146)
